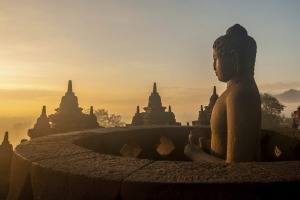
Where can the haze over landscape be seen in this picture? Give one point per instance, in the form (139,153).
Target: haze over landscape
(113,51)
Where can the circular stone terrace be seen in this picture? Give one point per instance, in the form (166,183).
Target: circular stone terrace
(139,163)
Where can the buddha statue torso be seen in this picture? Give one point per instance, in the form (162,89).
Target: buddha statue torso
(218,124)
(235,123)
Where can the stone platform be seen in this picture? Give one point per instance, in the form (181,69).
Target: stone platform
(89,165)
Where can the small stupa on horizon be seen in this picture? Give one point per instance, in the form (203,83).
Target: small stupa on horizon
(155,113)
(69,116)
(205,114)
(42,126)
(296,118)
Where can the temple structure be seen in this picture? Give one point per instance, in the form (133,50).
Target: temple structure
(205,114)
(6,153)
(137,119)
(296,118)
(91,120)
(155,113)
(6,148)
(42,126)
(69,116)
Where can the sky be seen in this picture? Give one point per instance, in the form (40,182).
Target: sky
(115,50)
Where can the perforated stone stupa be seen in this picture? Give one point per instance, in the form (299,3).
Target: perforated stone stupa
(296,118)
(42,126)
(155,113)
(205,114)
(69,116)
(6,153)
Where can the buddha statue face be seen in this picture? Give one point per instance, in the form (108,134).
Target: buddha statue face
(234,54)
(224,66)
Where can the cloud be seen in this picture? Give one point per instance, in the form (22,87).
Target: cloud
(23,94)
(17,128)
(278,87)
(24,102)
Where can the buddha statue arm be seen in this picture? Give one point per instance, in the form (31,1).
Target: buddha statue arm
(197,147)
(197,154)
(243,124)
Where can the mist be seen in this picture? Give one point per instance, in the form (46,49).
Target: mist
(17,128)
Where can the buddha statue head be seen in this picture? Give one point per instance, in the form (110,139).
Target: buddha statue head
(234,54)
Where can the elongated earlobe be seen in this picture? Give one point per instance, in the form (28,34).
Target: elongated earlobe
(235,56)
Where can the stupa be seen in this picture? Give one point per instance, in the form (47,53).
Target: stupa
(205,114)
(69,116)
(42,126)
(6,154)
(296,118)
(92,120)
(5,148)
(137,119)
(155,113)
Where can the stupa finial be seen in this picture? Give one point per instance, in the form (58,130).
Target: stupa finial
(44,111)
(91,110)
(154,88)
(5,140)
(70,88)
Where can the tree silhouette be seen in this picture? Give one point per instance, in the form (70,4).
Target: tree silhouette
(108,120)
(271,110)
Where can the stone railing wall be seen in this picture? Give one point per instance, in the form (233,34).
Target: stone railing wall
(91,165)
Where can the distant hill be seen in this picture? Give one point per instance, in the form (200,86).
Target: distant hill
(290,96)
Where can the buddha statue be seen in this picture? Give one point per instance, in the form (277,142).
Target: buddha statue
(236,116)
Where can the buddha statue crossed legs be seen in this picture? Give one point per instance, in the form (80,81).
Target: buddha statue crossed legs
(236,116)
